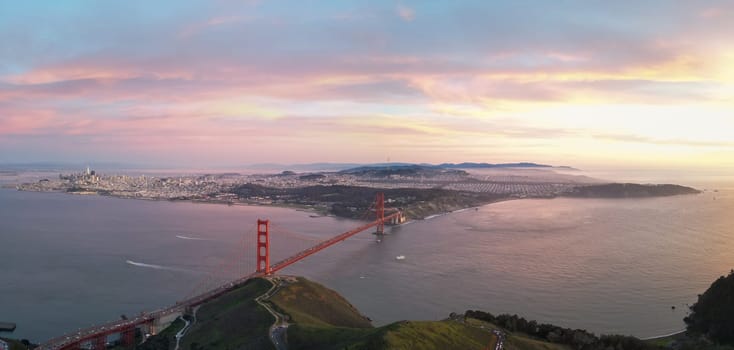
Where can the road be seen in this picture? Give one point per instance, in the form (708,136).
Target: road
(500,339)
(278,331)
(87,334)
(185,329)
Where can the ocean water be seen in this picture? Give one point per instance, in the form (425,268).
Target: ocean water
(609,266)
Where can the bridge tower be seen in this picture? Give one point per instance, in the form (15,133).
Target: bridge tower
(380,212)
(127,337)
(100,342)
(263,246)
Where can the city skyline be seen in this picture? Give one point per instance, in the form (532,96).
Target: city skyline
(201,84)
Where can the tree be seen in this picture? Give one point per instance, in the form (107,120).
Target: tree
(713,314)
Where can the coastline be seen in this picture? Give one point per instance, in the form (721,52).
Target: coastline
(663,337)
(456,211)
(319,211)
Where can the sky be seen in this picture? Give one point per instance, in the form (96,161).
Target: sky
(646,84)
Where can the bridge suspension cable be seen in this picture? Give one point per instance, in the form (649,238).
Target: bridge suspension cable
(97,336)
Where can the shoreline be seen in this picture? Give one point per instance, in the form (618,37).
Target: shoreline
(653,338)
(296,207)
(659,337)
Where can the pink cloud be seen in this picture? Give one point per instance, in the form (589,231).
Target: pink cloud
(711,12)
(405,12)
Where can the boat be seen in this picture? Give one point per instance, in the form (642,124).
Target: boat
(7,327)
(400,257)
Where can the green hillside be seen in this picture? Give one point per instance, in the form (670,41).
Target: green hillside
(232,321)
(429,335)
(164,340)
(310,303)
(15,344)
(323,319)
(320,318)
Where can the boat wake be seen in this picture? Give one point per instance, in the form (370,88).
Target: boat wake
(432,216)
(192,238)
(156,267)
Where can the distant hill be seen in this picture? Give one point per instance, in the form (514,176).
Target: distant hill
(713,314)
(318,167)
(309,167)
(412,170)
(629,190)
(493,166)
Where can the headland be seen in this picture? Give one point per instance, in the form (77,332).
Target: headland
(419,190)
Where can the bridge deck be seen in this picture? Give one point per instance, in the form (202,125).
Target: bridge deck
(72,340)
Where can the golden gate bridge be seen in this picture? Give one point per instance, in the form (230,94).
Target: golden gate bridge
(96,337)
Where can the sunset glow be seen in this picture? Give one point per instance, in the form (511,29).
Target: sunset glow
(230,83)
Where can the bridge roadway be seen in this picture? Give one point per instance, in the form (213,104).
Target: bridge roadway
(328,243)
(73,340)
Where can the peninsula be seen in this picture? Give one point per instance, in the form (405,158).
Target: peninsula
(420,190)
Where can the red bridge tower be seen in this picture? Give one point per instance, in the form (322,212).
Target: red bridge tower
(380,212)
(263,246)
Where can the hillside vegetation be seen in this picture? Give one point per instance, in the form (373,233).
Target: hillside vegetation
(548,333)
(164,340)
(320,318)
(628,190)
(429,335)
(713,314)
(355,201)
(232,321)
(308,302)
(323,319)
(16,344)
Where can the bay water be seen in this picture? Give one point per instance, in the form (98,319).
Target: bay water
(626,266)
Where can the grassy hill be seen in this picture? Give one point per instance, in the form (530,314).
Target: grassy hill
(232,321)
(429,335)
(517,341)
(323,319)
(320,318)
(308,302)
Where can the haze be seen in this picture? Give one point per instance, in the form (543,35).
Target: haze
(211,83)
